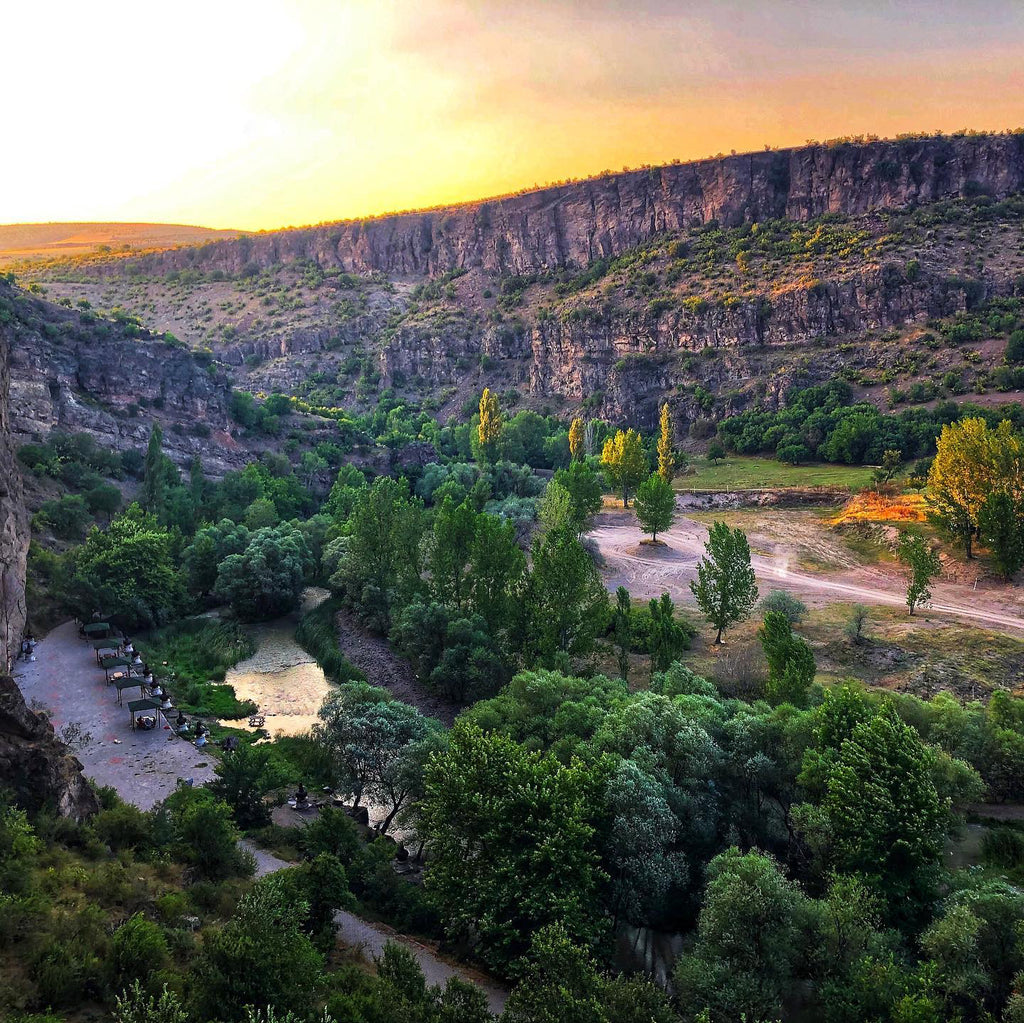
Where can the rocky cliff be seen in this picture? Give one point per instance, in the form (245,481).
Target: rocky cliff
(14,532)
(35,764)
(577,223)
(78,373)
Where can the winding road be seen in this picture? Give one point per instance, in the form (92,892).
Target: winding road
(649,570)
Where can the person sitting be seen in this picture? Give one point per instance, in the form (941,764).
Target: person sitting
(301,798)
(181,724)
(129,647)
(165,702)
(26,649)
(31,641)
(146,723)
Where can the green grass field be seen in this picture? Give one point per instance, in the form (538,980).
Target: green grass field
(739,473)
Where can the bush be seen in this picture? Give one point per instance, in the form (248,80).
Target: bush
(1003,848)
(317,634)
(791,608)
(138,949)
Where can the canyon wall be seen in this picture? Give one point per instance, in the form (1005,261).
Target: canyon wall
(76,375)
(14,530)
(576,223)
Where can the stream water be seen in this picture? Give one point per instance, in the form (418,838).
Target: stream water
(285,682)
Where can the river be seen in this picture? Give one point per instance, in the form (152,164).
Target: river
(282,679)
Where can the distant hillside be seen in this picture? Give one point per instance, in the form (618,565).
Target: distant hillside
(576,224)
(44,241)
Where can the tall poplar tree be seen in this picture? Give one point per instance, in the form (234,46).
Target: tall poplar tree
(666,452)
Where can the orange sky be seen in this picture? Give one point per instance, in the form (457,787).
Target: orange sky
(263,113)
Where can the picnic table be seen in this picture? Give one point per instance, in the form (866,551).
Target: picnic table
(121,684)
(108,663)
(138,706)
(97,629)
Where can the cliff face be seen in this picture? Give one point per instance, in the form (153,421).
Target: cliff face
(14,531)
(35,765)
(68,373)
(577,223)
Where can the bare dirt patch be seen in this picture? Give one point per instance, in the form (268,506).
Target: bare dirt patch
(373,656)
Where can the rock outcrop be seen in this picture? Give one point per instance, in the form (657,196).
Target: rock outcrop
(577,223)
(14,531)
(35,765)
(75,373)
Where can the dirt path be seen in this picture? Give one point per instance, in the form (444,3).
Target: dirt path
(373,656)
(370,938)
(647,571)
(144,767)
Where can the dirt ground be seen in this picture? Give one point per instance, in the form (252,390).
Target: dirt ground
(373,656)
(792,549)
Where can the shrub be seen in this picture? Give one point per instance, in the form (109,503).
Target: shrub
(790,607)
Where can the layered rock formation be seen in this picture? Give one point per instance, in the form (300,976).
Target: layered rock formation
(577,223)
(81,375)
(35,765)
(14,532)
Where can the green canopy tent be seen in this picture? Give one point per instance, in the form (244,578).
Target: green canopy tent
(123,683)
(110,663)
(104,644)
(94,630)
(140,706)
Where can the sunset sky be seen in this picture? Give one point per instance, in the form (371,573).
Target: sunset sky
(263,113)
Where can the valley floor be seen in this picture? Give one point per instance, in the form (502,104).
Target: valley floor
(780,558)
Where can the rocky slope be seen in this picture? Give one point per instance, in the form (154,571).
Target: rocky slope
(623,291)
(74,372)
(577,223)
(14,532)
(34,765)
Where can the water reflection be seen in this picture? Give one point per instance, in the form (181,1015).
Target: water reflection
(282,679)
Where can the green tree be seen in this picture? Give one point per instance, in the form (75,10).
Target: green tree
(209,547)
(725,589)
(512,840)
(260,957)
(668,637)
(243,778)
(666,451)
(261,513)
(624,462)
(923,563)
(103,500)
(791,665)
(622,629)
(204,834)
(559,982)
(584,488)
(1001,528)
(382,566)
(748,941)
(884,813)
(138,949)
(496,573)
(715,452)
(450,546)
(134,1005)
(127,571)
(655,505)
(566,602)
(153,478)
(371,739)
(267,579)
